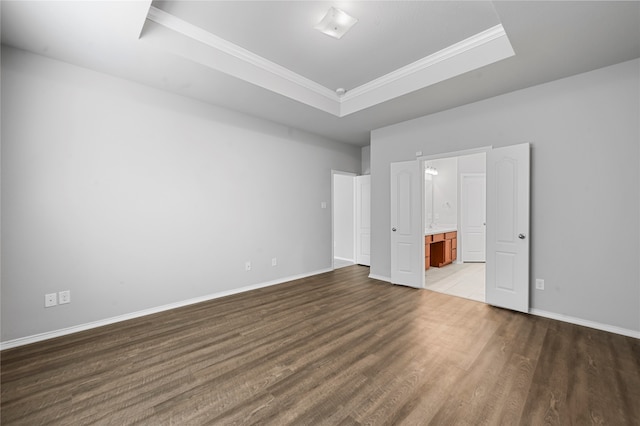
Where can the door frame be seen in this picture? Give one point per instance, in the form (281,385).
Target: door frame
(353,219)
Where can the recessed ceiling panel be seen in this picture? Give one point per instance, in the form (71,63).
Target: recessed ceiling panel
(388,36)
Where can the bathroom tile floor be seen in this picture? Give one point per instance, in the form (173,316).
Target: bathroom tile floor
(458,279)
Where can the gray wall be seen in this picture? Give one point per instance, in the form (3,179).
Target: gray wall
(585,184)
(366,160)
(445,192)
(133,198)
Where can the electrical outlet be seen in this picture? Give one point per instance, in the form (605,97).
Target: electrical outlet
(539,284)
(247,266)
(50,300)
(64,297)
(274,261)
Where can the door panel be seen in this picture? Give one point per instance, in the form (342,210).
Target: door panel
(407,235)
(403,212)
(505,170)
(473,206)
(507,269)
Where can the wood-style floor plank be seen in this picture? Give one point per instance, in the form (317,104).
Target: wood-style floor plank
(333,349)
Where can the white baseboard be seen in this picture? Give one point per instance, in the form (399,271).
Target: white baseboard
(586,323)
(561,317)
(380,277)
(87,326)
(344,259)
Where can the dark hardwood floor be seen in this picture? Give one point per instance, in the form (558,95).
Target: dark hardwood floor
(336,349)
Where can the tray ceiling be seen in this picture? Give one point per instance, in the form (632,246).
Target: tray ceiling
(272,64)
(388,35)
(274,45)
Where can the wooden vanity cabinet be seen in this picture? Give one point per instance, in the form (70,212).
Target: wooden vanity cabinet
(454,248)
(446,253)
(427,251)
(440,249)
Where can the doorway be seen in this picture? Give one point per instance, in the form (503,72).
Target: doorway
(454,206)
(343,216)
(350,219)
(507,235)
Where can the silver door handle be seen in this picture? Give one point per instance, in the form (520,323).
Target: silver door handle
(521,236)
(393,229)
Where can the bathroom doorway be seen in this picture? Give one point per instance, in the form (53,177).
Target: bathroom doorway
(454,214)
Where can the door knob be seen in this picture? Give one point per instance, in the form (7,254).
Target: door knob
(393,229)
(521,236)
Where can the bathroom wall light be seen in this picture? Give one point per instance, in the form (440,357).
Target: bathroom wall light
(431,171)
(335,23)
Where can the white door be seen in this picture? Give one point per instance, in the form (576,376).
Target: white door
(473,212)
(407,231)
(363,220)
(507,279)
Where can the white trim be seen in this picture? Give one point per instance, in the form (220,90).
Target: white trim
(428,61)
(344,259)
(95,324)
(380,278)
(479,50)
(433,69)
(196,33)
(586,323)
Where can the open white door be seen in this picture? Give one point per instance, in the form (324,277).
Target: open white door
(507,280)
(407,231)
(363,220)
(473,214)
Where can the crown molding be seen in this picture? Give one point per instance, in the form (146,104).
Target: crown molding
(429,61)
(479,50)
(196,33)
(482,49)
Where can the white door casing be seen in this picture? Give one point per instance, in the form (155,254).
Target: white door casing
(507,267)
(363,220)
(407,230)
(473,217)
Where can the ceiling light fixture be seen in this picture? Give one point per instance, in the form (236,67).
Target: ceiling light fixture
(431,171)
(335,23)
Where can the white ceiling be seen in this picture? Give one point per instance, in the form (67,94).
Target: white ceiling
(283,33)
(264,58)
